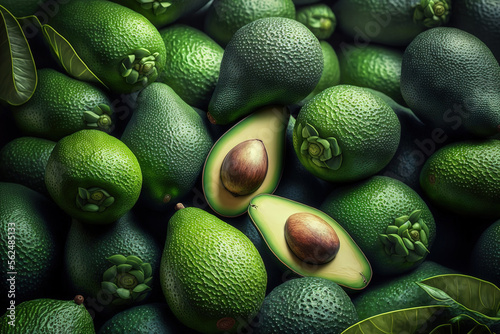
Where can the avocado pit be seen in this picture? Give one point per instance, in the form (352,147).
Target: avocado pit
(244,168)
(311,238)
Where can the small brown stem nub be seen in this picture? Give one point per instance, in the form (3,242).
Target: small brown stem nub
(211,118)
(179,206)
(78,299)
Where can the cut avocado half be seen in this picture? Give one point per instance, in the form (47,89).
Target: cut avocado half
(349,268)
(266,125)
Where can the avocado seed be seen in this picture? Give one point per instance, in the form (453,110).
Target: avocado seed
(311,238)
(244,168)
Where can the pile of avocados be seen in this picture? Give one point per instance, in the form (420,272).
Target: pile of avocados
(250,166)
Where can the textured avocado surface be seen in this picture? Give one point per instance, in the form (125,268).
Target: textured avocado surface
(212,276)
(464,178)
(49,316)
(306,305)
(170,141)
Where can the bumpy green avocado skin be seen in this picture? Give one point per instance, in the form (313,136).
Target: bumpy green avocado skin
(270,60)
(49,316)
(104,34)
(170,141)
(449,79)
(306,305)
(212,276)
(464,177)
(30,233)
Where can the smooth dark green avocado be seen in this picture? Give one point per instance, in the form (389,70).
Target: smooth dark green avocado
(269,125)
(49,316)
(349,268)
(272,60)
(464,177)
(310,305)
(456,91)
(398,293)
(32,229)
(23,160)
(170,141)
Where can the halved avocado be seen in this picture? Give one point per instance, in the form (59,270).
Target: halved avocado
(267,125)
(349,268)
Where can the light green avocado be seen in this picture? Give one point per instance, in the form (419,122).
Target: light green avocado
(163,12)
(118,45)
(464,177)
(268,125)
(48,316)
(349,268)
(212,276)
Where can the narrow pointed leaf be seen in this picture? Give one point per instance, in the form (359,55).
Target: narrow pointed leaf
(148,271)
(109,274)
(18,77)
(139,275)
(408,321)
(141,287)
(117,259)
(110,287)
(135,261)
(68,57)
(123,293)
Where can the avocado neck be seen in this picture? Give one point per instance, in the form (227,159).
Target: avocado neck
(93,199)
(128,280)
(140,66)
(98,118)
(432,13)
(158,7)
(323,152)
(406,239)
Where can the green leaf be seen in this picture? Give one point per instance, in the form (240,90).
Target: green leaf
(408,321)
(68,57)
(123,293)
(110,274)
(117,259)
(148,270)
(141,288)
(110,287)
(466,324)
(18,77)
(470,292)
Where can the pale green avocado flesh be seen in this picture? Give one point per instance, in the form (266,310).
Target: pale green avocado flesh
(350,267)
(267,124)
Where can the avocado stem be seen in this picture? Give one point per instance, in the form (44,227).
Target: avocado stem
(211,119)
(79,299)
